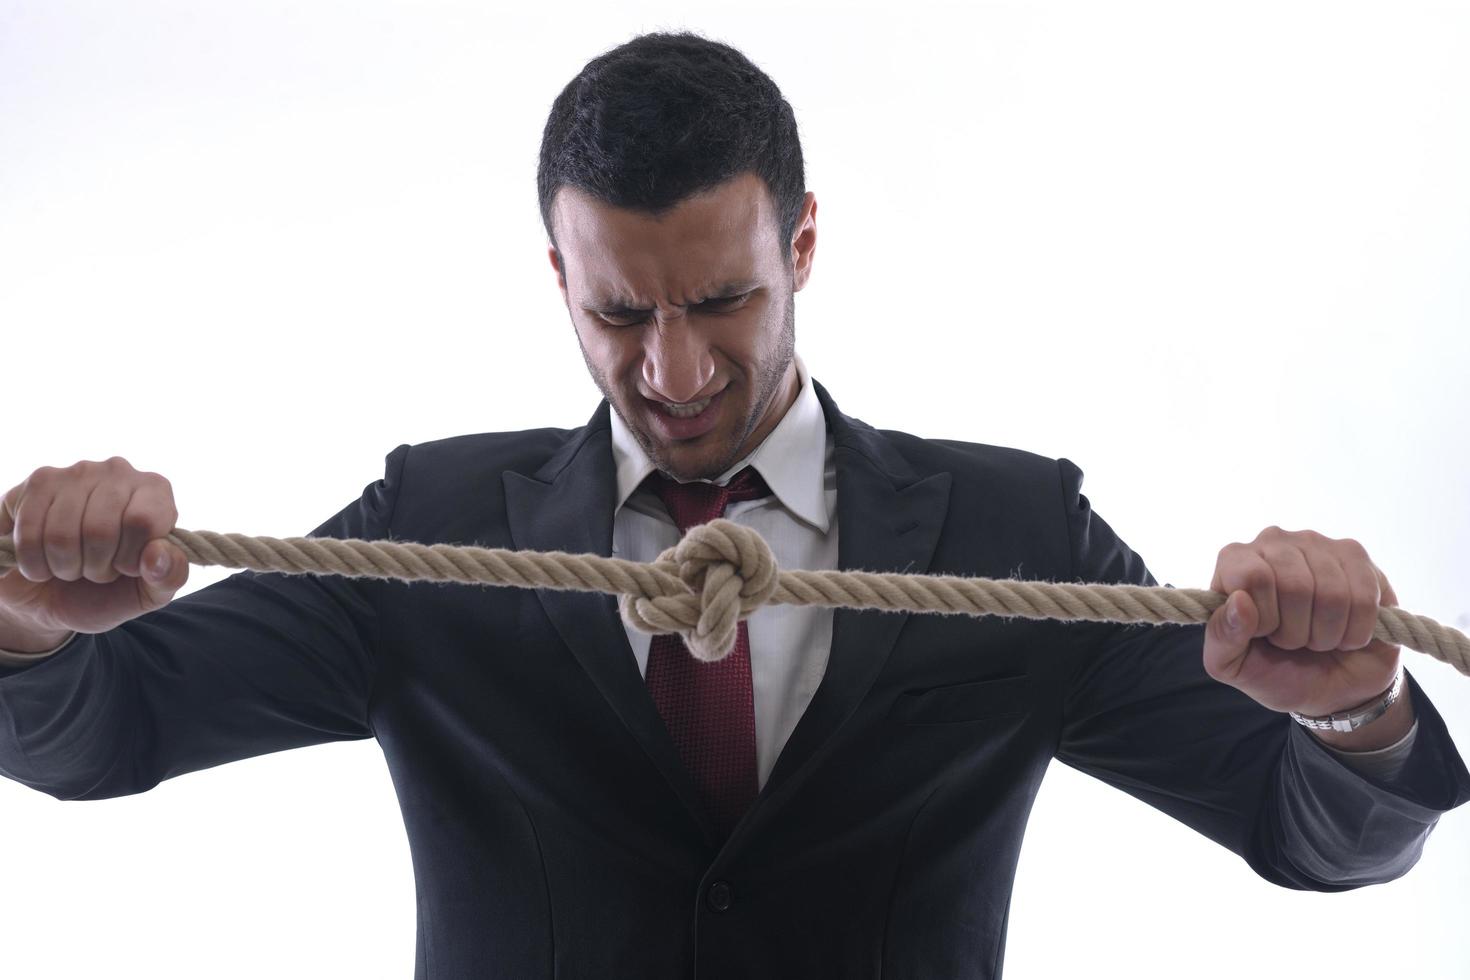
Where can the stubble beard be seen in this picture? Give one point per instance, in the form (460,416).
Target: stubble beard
(771,371)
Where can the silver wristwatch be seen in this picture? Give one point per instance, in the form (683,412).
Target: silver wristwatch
(1354,718)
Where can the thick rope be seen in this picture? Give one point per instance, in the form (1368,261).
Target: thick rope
(721,572)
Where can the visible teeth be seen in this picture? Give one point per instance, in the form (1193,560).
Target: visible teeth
(686,411)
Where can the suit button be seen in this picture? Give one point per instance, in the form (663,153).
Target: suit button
(719,896)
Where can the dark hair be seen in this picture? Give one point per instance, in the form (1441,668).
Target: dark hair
(665,116)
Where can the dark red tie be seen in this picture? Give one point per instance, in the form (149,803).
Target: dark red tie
(708,708)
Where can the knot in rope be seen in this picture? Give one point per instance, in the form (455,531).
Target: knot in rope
(730,572)
(721,572)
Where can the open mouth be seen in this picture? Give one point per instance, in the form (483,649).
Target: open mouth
(687,421)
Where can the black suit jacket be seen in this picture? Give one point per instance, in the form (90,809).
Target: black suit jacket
(552,828)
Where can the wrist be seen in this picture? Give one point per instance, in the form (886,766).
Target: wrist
(20,637)
(1383,731)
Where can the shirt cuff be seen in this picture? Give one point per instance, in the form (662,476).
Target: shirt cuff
(13,658)
(1385,763)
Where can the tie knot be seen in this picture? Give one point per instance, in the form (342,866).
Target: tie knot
(699,502)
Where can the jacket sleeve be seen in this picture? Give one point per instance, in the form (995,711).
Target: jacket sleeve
(1141,714)
(252,664)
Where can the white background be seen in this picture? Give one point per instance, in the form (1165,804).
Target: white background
(1215,253)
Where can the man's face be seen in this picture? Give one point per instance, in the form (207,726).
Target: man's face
(691,306)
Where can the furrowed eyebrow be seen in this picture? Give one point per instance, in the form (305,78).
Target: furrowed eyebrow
(725,290)
(735,288)
(614,309)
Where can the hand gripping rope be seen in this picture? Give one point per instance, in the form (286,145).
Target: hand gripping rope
(721,572)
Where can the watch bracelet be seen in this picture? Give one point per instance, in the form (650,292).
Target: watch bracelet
(1355,718)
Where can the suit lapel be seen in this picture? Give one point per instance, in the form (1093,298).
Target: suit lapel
(888,517)
(568,506)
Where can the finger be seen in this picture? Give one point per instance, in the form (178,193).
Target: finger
(62,534)
(1332,600)
(1363,583)
(158,583)
(1243,567)
(29,511)
(1386,594)
(149,514)
(1386,597)
(1228,636)
(101,527)
(134,531)
(1294,586)
(8,504)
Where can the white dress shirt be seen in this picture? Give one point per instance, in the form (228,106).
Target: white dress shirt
(789,645)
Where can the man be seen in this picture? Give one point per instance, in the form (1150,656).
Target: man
(844,795)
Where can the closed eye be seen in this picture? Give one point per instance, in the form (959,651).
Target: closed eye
(715,304)
(725,302)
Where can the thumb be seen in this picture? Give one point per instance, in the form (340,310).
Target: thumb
(1228,635)
(164,571)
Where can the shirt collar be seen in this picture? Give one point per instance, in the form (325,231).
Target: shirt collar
(791,459)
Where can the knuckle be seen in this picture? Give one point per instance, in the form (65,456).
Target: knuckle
(97,532)
(1258,579)
(137,522)
(1282,556)
(27,530)
(1293,584)
(57,539)
(1353,548)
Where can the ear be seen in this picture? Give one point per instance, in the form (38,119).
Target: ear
(804,242)
(561,276)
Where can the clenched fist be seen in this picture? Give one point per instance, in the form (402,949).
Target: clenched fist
(1296,632)
(90,548)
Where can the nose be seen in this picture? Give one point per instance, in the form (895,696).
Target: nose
(677,362)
